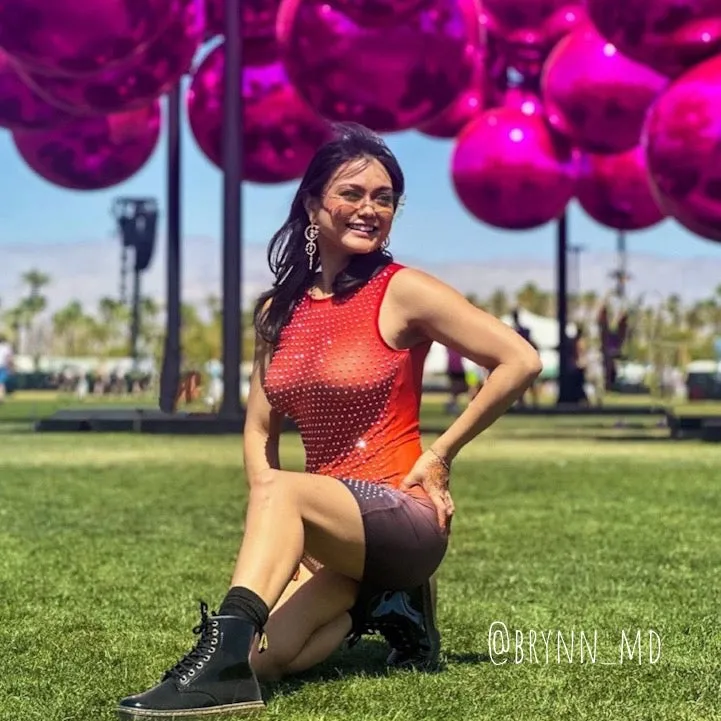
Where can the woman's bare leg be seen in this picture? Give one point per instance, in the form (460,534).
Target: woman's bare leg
(289,512)
(308,627)
(304,575)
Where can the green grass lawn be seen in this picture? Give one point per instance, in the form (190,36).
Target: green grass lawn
(107,542)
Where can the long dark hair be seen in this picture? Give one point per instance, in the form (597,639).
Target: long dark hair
(287,258)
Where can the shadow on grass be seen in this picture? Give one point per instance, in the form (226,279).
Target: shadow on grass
(467,658)
(570,436)
(366,660)
(636,439)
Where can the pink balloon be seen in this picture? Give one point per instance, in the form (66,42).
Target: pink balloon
(509,170)
(524,100)
(388,79)
(682,140)
(451,121)
(92,153)
(467,106)
(614,190)
(531,25)
(527,49)
(378,12)
(596,96)
(667,35)
(21,108)
(281,133)
(79,37)
(151,74)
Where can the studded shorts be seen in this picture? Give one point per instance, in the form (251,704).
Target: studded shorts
(404,543)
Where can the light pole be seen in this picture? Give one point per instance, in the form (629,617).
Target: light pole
(137,220)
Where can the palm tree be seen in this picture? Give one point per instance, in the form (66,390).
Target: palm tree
(70,325)
(32,305)
(36,280)
(109,329)
(532,298)
(151,334)
(673,306)
(498,303)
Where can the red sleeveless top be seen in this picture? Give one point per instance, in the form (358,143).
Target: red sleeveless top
(354,399)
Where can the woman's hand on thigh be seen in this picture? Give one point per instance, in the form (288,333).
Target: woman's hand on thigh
(433,475)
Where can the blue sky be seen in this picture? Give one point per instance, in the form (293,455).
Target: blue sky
(433,225)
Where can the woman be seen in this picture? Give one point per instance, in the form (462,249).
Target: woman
(6,365)
(457,382)
(579,364)
(342,338)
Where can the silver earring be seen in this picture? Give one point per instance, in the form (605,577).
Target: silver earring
(311,235)
(386,242)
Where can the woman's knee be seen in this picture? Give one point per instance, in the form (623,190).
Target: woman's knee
(269,482)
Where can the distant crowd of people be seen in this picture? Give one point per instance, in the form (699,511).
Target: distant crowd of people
(6,365)
(591,370)
(112,383)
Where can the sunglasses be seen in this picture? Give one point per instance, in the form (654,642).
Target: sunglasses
(383,203)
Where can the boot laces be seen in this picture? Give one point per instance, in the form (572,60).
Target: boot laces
(395,635)
(204,648)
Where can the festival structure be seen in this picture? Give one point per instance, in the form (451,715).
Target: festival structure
(612,102)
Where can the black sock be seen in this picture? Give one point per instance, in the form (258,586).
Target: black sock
(246,604)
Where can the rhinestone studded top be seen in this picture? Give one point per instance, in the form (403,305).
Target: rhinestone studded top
(354,399)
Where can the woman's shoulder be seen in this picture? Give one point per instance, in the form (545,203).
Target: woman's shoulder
(408,279)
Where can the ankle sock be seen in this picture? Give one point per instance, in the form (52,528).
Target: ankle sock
(246,604)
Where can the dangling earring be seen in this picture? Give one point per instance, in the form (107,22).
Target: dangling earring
(386,242)
(311,235)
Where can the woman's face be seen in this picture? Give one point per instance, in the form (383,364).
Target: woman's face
(356,211)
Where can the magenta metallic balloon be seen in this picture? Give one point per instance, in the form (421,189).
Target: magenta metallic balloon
(670,36)
(525,50)
(615,191)
(378,12)
(467,106)
(92,153)
(524,100)
(388,79)
(451,121)
(510,171)
(257,17)
(594,95)
(532,25)
(152,73)
(566,19)
(79,37)
(281,133)
(21,108)
(682,140)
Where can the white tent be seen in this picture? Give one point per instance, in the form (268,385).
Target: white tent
(544,333)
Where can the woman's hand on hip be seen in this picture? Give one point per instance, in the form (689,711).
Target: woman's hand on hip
(433,475)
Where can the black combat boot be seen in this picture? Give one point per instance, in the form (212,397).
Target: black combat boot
(214,678)
(406,620)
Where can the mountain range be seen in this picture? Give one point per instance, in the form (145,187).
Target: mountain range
(89,270)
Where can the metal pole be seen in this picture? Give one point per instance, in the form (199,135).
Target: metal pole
(170,372)
(232,177)
(575,251)
(123,272)
(135,319)
(564,375)
(622,276)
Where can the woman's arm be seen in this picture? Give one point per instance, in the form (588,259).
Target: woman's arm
(261,435)
(433,310)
